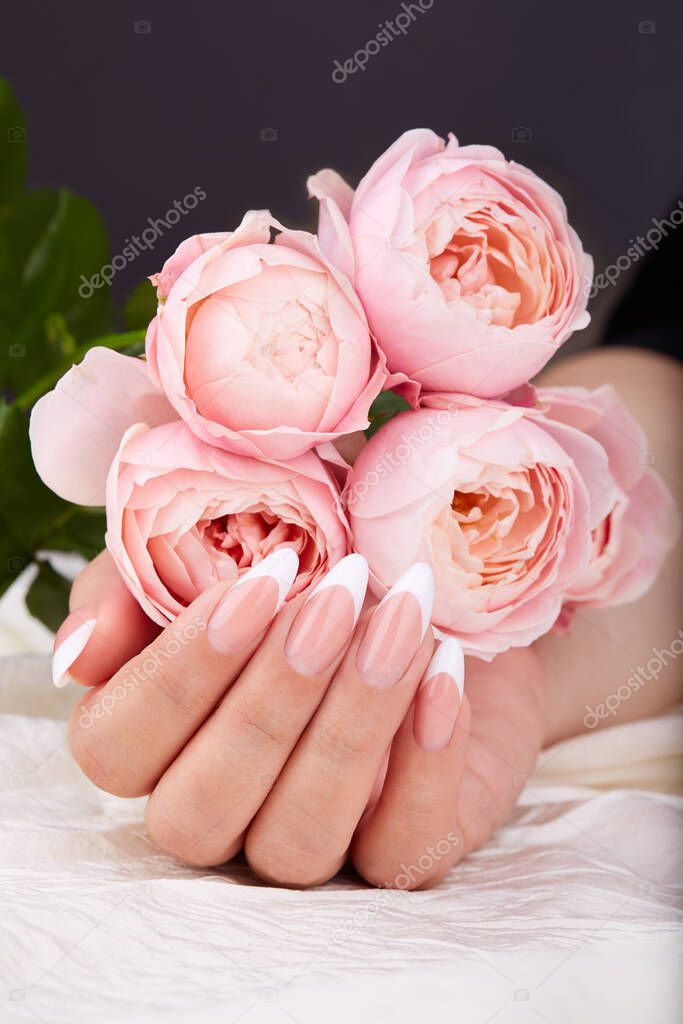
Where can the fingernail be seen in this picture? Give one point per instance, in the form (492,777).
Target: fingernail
(396,628)
(70,642)
(438,699)
(325,623)
(253,601)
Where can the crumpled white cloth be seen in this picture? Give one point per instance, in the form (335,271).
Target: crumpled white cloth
(572,913)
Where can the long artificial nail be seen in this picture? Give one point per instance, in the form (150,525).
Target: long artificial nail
(326,622)
(397,627)
(252,603)
(438,699)
(71,647)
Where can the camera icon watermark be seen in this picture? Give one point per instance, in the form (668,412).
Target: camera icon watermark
(398,241)
(16,134)
(521,134)
(16,564)
(142,28)
(646,28)
(268,135)
(17,351)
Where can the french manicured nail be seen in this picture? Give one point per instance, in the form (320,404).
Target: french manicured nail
(70,642)
(253,601)
(396,628)
(439,697)
(328,618)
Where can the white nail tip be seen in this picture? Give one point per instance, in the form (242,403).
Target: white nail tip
(351,572)
(281,565)
(67,652)
(417,580)
(449,659)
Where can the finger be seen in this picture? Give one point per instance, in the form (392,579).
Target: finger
(105,628)
(125,734)
(302,833)
(210,793)
(207,797)
(411,838)
(323,628)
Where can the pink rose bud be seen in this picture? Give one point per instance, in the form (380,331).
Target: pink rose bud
(262,348)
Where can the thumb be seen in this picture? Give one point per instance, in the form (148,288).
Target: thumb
(105,627)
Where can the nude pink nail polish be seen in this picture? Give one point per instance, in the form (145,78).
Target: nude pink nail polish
(326,622)
(439,697)
(397,627)
(252,602)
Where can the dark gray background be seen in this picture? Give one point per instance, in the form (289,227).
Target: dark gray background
(135,121)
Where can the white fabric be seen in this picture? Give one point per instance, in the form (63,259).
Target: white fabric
(572,914)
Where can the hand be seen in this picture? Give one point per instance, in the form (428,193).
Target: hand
(240,751)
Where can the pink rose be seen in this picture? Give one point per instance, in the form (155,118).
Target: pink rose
(631,542)
(262,348)
(469,271)
(498,499)
(76,429)
(182,515)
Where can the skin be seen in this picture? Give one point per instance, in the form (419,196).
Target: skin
(239,752)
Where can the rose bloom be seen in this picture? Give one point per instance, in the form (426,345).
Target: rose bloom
(514,510)
(262,348)
(181,515)
(469,271)
(631,543)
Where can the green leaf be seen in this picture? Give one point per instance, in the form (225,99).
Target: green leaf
(28,509)
(384,408)
(12,146)
(140,307)
(48,596)
(52,242)
(83,532)
(131,343)
(32,518)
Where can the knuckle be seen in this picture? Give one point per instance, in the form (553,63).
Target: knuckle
(101,765)
(258,724)
(284,862)
(384,870)
(185,691)
(188,835)
(346,739)
(166,832)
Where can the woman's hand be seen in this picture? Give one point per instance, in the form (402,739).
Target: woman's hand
(239,751)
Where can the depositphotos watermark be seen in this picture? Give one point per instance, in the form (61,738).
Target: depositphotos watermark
(104,705)
(638,678)
(137,244)
(638,247)
(407,446)
(389,30)
(408,876)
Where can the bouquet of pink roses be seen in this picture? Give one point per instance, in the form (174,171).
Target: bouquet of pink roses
(450,277)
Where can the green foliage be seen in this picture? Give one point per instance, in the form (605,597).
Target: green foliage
(48,596)
(12,146)
(140,307)
(51,243)
(384,408)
